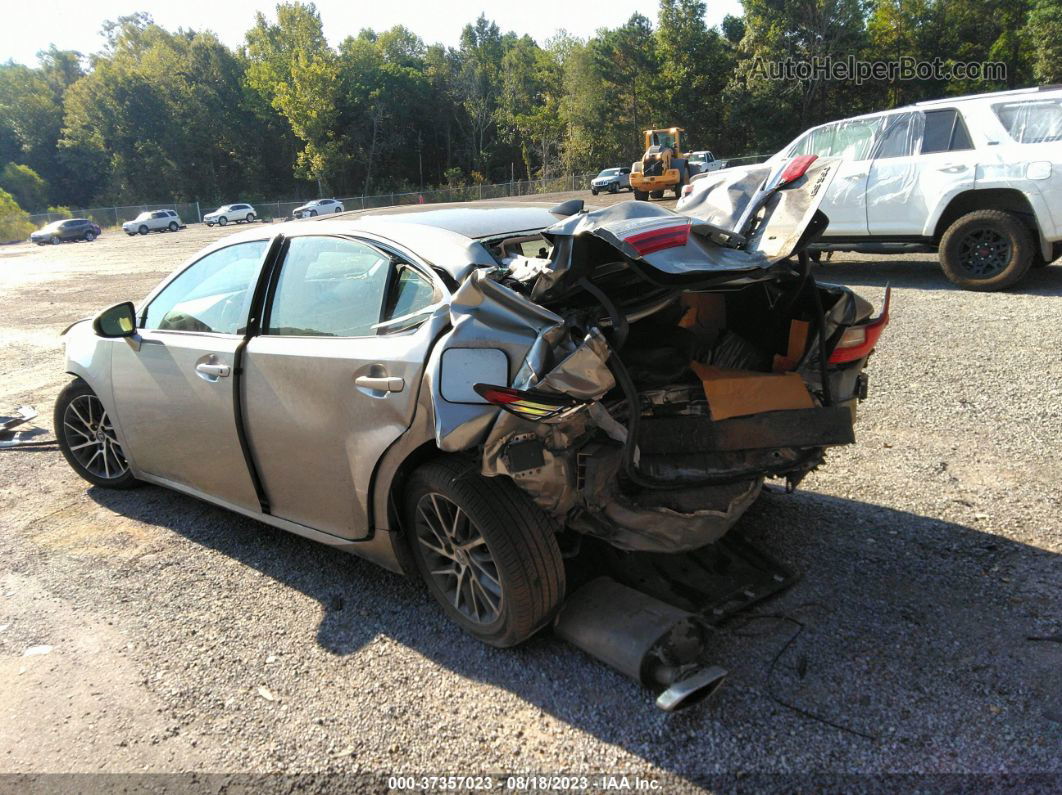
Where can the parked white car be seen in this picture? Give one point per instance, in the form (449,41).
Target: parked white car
(240,213)
(153,221)
(977,179)
(701,162)
(318,207)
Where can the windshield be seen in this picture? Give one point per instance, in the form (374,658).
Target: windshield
(609,172)
(1035,122)
(697,157)
(142,217)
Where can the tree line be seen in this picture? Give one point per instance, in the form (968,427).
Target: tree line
(163,116)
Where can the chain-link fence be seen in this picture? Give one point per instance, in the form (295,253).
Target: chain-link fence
(190,212)
(116,216)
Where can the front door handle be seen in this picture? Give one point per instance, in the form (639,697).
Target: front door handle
(383,383)
(213,370)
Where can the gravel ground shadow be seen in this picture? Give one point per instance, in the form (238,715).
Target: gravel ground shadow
(923,274)
(916,648)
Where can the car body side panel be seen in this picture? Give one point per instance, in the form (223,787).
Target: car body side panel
(316,435)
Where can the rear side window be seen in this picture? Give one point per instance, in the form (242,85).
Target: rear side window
(329,287)
(411,293)
(1034,122)
(945,131)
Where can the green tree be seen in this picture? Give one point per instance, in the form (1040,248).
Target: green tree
(1044,31)
(25,185)
(15,223)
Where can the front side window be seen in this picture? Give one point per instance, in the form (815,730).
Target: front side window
(1035,122)
(901,136)
(329,287)
(212,295)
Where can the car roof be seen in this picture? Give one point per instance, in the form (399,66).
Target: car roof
(447,236)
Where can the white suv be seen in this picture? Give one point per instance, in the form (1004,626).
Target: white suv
(318,207)
(153,221)
(978,179)
(240,213)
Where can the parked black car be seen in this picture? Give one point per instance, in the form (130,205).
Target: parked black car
(62,231)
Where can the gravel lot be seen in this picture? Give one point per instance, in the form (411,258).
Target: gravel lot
(177,636)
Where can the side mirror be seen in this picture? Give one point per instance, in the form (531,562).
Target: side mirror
(118,321)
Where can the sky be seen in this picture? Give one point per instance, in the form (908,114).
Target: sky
(75,24)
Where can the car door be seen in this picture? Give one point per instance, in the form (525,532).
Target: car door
(326,390)
(845,202)
(923,160)
(173,385)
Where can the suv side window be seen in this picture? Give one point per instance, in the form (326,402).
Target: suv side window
(328,287)
(901,136)
(945,132)
(211,295)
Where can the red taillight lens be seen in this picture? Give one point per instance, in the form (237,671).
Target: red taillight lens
(796,168)
(687,190)
(659,239)
(858,341)
(528,404)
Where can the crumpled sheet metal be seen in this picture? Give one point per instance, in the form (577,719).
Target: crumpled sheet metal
(583,374)
(657,529)
(485,314)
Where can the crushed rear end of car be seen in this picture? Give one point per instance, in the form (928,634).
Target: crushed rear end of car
(643,381)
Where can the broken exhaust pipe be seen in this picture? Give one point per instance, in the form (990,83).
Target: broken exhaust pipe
(650,641)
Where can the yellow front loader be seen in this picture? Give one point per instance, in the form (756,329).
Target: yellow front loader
(662,167)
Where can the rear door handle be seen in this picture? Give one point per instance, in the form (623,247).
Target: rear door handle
(383,383)
(213,370)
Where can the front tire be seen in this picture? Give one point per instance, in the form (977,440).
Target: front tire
(54,241)
(486,552)
(87,439)
(593,191)
(313,213)
(613,188)
(222,221)
(986,250)
(641,195)
(143,229)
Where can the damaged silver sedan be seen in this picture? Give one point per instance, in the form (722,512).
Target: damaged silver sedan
(494,397)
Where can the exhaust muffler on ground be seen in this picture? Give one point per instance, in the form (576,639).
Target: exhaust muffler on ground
(654,643)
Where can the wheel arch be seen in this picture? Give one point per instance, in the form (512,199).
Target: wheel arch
(1009,200)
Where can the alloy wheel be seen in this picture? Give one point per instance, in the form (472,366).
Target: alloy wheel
(458,558)
(984,252)
(92,439)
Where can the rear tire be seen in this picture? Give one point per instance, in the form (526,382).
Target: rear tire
(499,574)
(250,218)
(87,439)
(986,250)
(89,237)
(640,195)
(657,194)
(173,226)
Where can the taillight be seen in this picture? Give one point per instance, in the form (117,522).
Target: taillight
(795,169)
(529,404)
(858,341)
(687,190)
(660,238)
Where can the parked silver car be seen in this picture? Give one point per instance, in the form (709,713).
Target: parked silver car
(461,392)
(318,207)
(611,179)
(153,221)
(238,213)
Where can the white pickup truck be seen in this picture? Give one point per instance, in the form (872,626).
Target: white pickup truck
(703,161)
(977,179)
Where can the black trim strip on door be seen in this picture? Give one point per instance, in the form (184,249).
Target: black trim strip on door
(254,322)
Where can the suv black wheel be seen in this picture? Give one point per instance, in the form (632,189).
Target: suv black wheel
(986,250)
(89,236)
(87,439)
(486,552)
